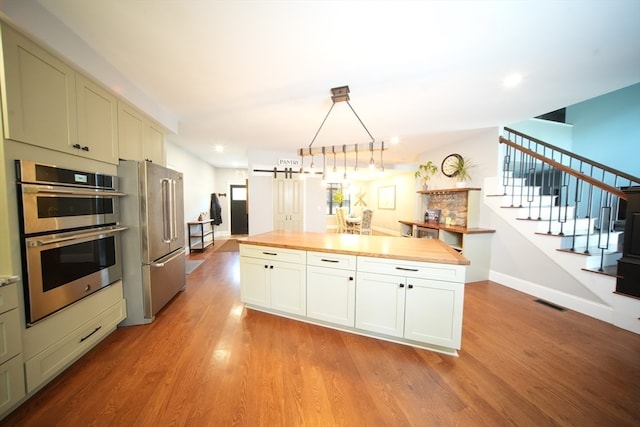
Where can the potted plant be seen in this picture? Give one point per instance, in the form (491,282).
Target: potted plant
(462,167)
(338,197)
(425,172)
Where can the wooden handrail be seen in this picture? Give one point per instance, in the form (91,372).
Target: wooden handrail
(613,190)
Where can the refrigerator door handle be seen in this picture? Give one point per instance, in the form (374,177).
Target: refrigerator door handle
(174,213)
(166,261)
(166,210)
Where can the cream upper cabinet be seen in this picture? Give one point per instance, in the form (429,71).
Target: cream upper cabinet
(153,144)
(130,132)
(40,95)
(138,137)
(97,122)
(50,105)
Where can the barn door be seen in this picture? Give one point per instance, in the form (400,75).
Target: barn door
(287,204)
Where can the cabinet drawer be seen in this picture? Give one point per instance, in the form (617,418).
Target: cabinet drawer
(11,384)
(56,327)
(326,259)
(8,297)
(10,339)
(273,254)
(425,270)
(55,358)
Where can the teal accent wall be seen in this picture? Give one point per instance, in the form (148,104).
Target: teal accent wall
(607,129)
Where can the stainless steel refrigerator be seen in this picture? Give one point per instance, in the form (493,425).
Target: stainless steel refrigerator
(153,253)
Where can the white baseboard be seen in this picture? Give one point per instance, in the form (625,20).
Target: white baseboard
(589,308)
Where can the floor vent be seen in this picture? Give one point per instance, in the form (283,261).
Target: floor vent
(549,304)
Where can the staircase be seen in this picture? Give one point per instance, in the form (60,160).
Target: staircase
(568,207)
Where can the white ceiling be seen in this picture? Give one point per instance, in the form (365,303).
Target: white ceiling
(257,74)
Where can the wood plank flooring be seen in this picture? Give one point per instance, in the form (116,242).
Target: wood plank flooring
(207,361)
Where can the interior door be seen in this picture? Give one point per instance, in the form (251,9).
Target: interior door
(239,214)
(287,204)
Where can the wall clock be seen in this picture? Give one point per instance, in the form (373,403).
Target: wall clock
(449,165)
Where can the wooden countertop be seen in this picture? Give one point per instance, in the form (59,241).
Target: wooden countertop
(453,228)
(424,250)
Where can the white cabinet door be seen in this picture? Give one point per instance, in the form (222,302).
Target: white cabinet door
(433,312)
(254,284)
(97,122)
(331,295)
(40,93)
(268,283)
(380,303)
(288,287)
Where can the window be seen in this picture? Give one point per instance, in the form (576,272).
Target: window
(333,198)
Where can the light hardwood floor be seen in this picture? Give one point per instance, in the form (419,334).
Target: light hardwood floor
(208,361)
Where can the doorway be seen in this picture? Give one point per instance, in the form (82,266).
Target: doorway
(239,213)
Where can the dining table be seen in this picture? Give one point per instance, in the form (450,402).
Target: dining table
(352,223)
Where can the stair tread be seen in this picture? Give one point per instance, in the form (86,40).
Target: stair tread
(608,270)
(592,251)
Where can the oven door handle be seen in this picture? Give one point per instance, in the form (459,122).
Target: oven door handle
(47,189)
(52,240)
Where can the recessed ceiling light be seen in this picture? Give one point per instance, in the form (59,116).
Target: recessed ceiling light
(512,80)
(395,140)
(219,148)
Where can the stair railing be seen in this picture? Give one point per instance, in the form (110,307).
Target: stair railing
(571,183)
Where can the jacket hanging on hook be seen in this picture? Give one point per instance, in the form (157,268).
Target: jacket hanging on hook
(216,210)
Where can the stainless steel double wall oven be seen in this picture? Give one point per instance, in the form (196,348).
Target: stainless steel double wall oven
(70,235)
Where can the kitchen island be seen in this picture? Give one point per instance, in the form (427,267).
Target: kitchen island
(409,291)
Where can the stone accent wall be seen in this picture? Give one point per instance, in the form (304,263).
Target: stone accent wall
(452,205)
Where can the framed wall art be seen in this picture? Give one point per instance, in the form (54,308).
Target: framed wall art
(387,197)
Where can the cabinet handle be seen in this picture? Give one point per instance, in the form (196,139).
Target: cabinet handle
(351,278)
(402,285)
(410,286)
(266,266)
(85,148)
(329,260)
(94,331)
(269,253)
(407,269)
(271,267)
(77,146)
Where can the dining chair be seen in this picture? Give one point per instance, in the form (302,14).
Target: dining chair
(341,220)
(365,224)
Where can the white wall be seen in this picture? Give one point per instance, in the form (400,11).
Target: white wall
(261,194)
(558,134)
(386,220)
(199,182)
(481,150)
